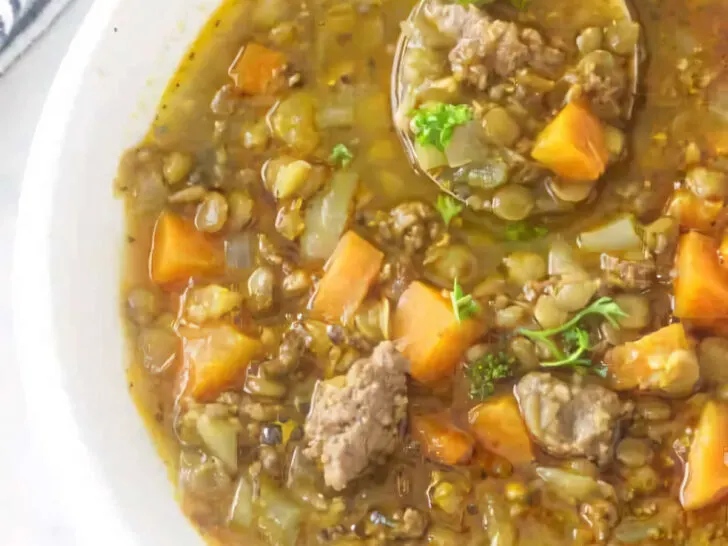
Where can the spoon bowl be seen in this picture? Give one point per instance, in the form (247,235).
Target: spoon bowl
(400,88)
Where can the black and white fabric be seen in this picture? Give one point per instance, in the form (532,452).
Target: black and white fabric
(21,23)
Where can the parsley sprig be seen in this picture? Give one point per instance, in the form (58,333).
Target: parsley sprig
(433,124)
(576,339)
(448,207)
(485,371)
(341,155)
(463,305)
(577,343)
(522,231)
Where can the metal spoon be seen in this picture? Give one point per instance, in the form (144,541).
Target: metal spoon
(399,88)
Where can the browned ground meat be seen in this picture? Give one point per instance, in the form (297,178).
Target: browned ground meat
(627,273)
(485,46)
(605,93)
(601,79)
(356,422)
(571,420)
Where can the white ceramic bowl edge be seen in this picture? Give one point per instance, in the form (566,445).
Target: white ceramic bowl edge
(66,267)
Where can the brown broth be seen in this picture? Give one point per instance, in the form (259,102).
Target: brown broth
(670,113)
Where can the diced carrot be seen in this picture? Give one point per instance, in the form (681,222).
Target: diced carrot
(499,428)
(693,212)
(663,360)
(350,272)
(215,359)
(441,440)
(706,474)
(431,336)
(256,69)
(179,251)
(573,144)
(701,285)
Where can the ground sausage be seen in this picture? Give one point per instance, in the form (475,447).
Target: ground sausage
(571,420)
(628,273)
(354,420)
(486,46)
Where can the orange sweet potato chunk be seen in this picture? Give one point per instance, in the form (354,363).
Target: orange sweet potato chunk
(256,69)
(430,335)
(573,144)
(661,361)
(693,212)
(701,284)
(350,272)
(215,359)
(706,475)
(179,251)
(499,428)
(441,440)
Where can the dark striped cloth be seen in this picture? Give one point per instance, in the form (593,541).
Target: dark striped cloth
(21,22)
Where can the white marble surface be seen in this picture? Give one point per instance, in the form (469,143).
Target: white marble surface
(29,512)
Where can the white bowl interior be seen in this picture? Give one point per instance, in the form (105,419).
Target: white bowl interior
(67,268)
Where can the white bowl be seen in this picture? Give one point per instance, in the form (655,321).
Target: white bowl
(67,264)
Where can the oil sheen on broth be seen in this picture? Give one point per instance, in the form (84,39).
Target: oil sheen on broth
(328,348)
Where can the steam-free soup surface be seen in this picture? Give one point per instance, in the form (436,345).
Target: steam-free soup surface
(329,348)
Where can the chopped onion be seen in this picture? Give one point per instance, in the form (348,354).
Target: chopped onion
(220,436)
(498,522)
(279,517)
(327,215)
(239,251)
(445,264)
(562,262)
(372,319)
(241,510)
(158,348)
(573,486)
(488,175)
(337,115)
(429,157)
(619,235)
(466,145)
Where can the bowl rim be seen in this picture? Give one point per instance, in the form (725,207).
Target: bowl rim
(85,498)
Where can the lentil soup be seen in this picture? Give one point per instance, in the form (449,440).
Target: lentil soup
(329,348)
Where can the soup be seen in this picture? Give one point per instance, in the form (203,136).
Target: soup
(454,275)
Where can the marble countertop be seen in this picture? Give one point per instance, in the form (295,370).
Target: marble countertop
(29,512)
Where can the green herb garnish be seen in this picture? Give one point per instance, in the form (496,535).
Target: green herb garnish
(522,231)
(448,207)
(577,343)
(434,124)
(463,306)
(485,371)
(576,339)
(341,155)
